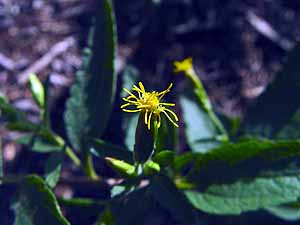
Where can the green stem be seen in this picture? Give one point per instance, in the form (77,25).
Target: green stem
(86,165)
(69,152)
(73,156)
(155,136)
(205,103)
(218,125)
(89,167)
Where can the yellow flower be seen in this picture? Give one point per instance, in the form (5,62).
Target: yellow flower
(150,104)
(185,66)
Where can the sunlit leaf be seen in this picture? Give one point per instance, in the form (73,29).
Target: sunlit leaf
(246,176)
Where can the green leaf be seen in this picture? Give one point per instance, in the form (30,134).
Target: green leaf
(92,95)
(39,144)
(129,120)
(245,159)
(21,126)
(232,154)
(246,195)
(150,168)
(164,158)
(37,90)
(103,149)
(171,199)
(130,123)
(144,141)
(125,169)
(182,161)
(53,168)
(289,212)
(9,111)
(201,134)
(246,176)
(36,204)
(278,104)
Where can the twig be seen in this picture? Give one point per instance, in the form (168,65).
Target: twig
(6,62)
(46,59)
(268,31)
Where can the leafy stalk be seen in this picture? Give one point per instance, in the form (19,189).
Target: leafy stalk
(203,99)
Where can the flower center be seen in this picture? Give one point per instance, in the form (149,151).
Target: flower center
(150,101)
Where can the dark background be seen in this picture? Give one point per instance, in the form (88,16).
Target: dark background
(237,47)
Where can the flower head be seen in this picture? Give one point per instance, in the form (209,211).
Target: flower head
(150,104)
(185,66)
